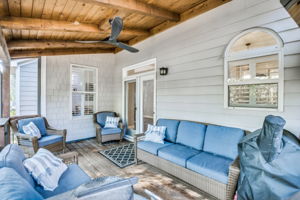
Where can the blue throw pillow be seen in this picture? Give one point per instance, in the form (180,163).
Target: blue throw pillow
(14,187)
(38,121)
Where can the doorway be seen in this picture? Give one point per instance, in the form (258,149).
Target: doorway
(139,103)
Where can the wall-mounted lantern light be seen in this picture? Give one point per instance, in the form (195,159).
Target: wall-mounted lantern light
(163,71)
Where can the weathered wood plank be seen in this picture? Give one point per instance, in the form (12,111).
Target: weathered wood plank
(40,44)
(55,25)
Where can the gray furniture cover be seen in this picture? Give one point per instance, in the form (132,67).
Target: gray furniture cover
(270,163)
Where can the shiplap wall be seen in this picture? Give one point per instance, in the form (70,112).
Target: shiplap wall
(27,88)
(58,92)
(194,51)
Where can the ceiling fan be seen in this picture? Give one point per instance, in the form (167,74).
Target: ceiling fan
(116,28)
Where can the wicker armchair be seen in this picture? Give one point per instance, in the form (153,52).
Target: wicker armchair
(28,140)
(105,135)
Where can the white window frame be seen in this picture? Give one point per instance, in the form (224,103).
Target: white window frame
(71,92)
(255,53)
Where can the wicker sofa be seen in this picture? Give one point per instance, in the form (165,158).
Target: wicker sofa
(203,155)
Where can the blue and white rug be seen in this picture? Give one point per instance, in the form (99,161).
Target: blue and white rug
(122,156)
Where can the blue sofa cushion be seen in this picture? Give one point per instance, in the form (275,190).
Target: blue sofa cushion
(101,117)
(152,147)
(14,187)
(107,131)
(177,153)
(222,140)
(12,156)
(209,165)
(191,134)
(71,179)
(38,121)
(171,131)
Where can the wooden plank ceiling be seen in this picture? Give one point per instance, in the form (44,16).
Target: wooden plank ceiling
(50,27)
(293,7)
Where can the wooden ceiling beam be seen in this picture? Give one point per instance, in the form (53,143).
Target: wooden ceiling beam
(4,53)
(293,7)
(201,8)
(42,44)
(56,52)
(22,23)
(136,6)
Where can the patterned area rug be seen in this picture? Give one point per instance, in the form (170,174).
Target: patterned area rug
(122,156)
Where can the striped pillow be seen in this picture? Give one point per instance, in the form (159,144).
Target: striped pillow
(111,122)
(32,129)
(45,168)
(155,134)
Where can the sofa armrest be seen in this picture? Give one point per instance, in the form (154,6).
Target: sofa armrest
(233,176)
(69,158)
(137,137)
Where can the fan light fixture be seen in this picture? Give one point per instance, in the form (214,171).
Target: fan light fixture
(163,71)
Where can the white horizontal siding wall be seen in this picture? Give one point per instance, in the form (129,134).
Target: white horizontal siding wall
(27,88)
(194,51)
(58,87)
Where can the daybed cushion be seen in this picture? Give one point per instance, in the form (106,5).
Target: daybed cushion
(108,131)
(152,147)
(171,131)
(211,166)
(14,187)
(12,156)
(101,117)
(177,153)
(222,140)
(38,121)
(71,178)
(191,134)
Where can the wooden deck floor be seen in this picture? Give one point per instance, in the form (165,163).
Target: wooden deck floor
(151,178)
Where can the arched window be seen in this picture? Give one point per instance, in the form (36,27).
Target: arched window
(253,75)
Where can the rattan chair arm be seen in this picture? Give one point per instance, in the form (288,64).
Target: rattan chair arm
(51,131)
(69,158)
(24,136)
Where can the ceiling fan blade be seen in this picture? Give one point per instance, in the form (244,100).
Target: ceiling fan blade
(88,42)
(116,28)
(127,47)
(122,46)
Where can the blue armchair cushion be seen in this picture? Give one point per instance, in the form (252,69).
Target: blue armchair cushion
(222,140)
(50,139)
(152,147)
(108,131)
(101,117)
(44,141)
(209,165)
(71,179)
(171,131)
(191,134)
(38,121)
(12,156)
(177,153)
(14,187)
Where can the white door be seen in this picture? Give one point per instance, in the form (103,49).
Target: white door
(140,103)
(147,102)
